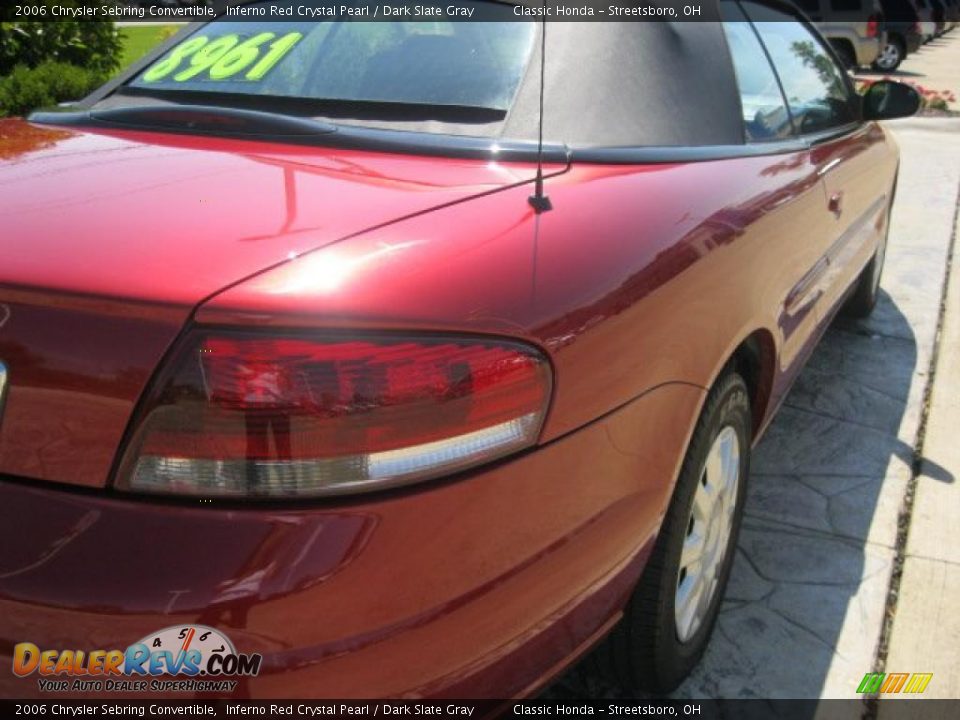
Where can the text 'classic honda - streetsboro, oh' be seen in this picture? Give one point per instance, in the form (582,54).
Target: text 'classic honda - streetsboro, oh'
(308,337)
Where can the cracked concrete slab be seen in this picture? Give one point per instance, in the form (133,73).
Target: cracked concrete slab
(803,442)
(862,508)
(864,379)
(746,584)
(869,512)
(786,556)
(785,641)
(879,363)
(821,392)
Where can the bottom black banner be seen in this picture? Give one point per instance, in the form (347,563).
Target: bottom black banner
(709,709)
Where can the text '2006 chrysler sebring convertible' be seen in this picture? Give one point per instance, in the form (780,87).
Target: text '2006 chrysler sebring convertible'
(351,359)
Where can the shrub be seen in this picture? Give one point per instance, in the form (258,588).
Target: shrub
(27,89)
(93,44)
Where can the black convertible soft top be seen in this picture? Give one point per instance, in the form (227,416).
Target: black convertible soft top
(631,84)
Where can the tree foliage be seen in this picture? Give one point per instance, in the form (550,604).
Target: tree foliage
(91,44)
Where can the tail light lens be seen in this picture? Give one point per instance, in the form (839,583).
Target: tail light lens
(280,416)
(873,26)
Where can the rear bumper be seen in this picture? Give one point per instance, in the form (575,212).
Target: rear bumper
(484,586)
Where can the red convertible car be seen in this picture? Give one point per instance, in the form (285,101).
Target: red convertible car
(414,359)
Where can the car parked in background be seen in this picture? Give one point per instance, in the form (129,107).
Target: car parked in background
(414,364)
(902,33)
(853,27)
(939,12)
(928,26)
(951,14)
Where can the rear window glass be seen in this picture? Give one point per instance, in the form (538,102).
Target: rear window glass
(473,64)
(816,92)
(765,115)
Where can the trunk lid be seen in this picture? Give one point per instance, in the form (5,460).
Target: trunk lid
(109,240)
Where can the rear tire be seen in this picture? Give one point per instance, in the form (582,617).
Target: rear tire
(655,646)
(892,54)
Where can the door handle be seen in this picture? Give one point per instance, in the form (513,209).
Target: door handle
(835,205)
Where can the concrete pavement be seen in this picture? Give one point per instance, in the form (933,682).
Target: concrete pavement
(926,624)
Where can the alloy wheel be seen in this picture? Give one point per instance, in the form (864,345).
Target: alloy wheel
(708,533)
(889,57)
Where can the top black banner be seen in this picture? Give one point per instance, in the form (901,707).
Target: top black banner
(260,11)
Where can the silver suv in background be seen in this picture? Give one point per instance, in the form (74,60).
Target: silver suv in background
(853,27)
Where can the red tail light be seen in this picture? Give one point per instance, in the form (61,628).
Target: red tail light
(255,415)
(873,26)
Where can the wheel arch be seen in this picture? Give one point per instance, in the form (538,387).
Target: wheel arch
(754,358)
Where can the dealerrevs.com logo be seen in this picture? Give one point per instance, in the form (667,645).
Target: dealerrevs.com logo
(204,655)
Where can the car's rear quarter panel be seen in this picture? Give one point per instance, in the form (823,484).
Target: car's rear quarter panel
(639,276)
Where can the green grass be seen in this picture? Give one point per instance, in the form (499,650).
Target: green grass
(138,41)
